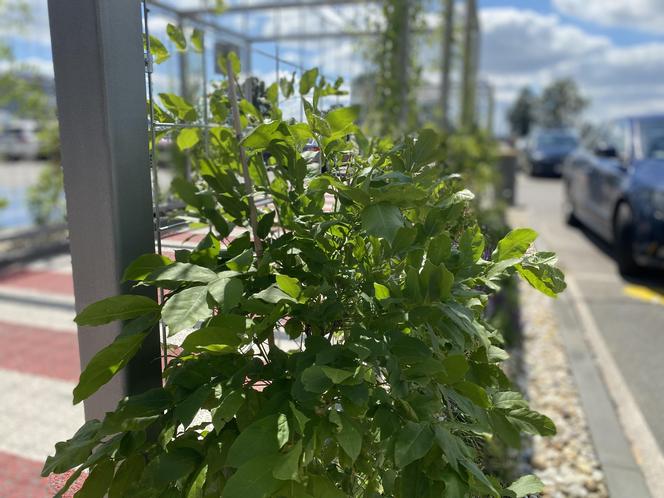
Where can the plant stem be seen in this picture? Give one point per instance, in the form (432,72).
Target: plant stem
(248,185)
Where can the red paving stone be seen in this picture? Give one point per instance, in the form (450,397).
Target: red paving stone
(184,237)
(43,281)
(19,478)
(38,351)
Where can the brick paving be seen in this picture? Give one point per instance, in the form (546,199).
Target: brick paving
(39,367)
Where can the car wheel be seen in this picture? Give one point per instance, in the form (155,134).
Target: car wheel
(569,211)
(623,240)
(533,170)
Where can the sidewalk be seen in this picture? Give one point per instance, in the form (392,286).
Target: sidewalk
(40,366)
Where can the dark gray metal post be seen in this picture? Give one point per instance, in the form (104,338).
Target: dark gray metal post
(100,89)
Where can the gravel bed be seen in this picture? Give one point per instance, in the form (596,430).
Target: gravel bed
(566,462)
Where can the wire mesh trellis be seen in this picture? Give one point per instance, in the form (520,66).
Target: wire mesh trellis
(192,74)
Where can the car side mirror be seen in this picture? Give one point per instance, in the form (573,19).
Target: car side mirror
(605,150)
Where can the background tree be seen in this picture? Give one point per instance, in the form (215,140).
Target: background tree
(521,115)
(561,104)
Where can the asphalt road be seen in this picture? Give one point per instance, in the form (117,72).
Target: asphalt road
(629,313)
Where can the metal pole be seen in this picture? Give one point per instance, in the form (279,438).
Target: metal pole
(404,66)
(100,89)
(491,109)
(448,42)
(468,81)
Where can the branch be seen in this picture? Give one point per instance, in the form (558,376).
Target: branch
(248,185)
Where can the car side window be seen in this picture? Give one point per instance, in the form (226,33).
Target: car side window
(616,137)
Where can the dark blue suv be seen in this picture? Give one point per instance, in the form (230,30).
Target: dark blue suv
(614,185)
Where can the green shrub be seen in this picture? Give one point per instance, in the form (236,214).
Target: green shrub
(374,270)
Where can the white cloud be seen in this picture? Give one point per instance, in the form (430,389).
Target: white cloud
(525,48)
(645,15)
(523,40)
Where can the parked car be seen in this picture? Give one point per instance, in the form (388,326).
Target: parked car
(546,150)
(20,140)
(614,185)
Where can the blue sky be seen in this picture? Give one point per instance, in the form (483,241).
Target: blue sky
(614,49)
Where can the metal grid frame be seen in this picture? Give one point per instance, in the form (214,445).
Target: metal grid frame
(114,206)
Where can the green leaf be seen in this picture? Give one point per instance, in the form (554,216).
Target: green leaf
(227,409)
(314,379)
(220,340)
(227,293)
(349,437)
(177,36)
(322,487)
(308,80)
(254,479)
(137,412)
(106,363)
(185,309)
(474,393)
(142,266)
(283,432)
(73,452)
(382,220)
(197,38)
(456,367)
(128,473)
(158,50)
(526,485)
(381,291)
(197,485)
(173,465)
(186,410)
(98,481)
(514,244)
(187,192)
(122,307)
(235,63)
(481,478)
(544,277)
(259,438)
(533,422)
(242,262)
(178,106)
(453,447)
(412,443)
(177,274)
(300,417)
(336,375)
(188,138)
(273,295)
(289,285)
(265,133)
(288,466)
(340,119)
(265,224)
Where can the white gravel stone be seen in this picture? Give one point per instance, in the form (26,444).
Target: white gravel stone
(566,462)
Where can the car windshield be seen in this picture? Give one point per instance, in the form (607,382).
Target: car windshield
(556,140)
(652,133)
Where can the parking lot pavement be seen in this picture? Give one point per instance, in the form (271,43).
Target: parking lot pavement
(626,316)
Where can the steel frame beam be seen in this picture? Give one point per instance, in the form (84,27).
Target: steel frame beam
(286,4)
(100,90)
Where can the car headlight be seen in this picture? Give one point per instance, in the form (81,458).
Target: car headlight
(538,156)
